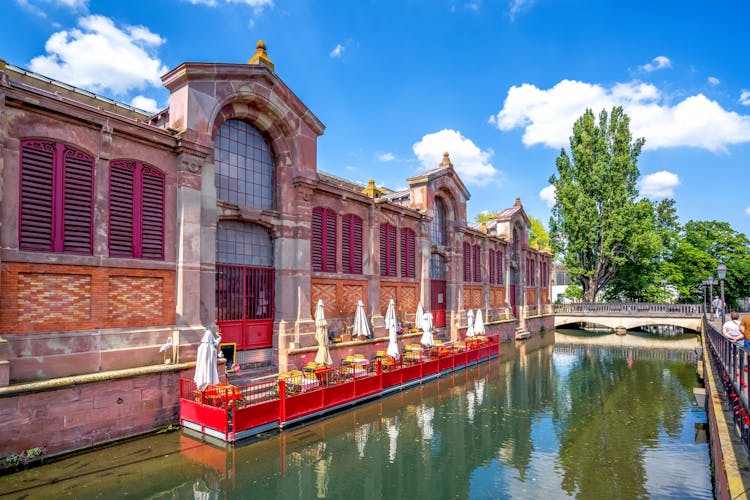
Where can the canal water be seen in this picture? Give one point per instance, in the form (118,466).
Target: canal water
(562,415)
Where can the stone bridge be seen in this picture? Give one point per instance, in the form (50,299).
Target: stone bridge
(623,316)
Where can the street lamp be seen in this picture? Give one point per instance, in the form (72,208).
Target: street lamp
(721,272)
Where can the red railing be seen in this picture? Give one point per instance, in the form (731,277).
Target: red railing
(237,412)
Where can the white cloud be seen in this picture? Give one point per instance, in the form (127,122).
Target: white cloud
(68,4)
(519,6)
(473,6)
(712,80)
(747,210)
(547,116)
(658,185)
(745,97)
(101,56)
(144,103)
(337,51)
(471,163)
(548,195)
(257,5)
(386,157)
(657,63)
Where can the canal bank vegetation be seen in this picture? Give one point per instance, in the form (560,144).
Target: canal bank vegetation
(619,246)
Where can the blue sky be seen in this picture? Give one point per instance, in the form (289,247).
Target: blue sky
(497,83)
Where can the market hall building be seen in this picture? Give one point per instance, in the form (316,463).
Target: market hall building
(122,232)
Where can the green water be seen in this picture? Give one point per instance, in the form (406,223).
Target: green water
(550,419)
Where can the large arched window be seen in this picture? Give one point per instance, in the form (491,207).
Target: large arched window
(244,166)
(243,244)
(437,228)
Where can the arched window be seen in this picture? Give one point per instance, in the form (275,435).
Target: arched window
(437,228)
(243,244)
(56,198)
(244,166)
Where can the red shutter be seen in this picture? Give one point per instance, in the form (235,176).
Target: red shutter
(330,240)
(35,211)
(346,244)
(407,253)
(467,261)
(121,183)
(477,264)
(356,245)
(491,262)
(384,250)
(392,250)
(316,240)
(152,215)
(79,201)
(500,270)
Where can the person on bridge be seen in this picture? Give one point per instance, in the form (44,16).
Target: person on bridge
(745,330)
(731,328)
(717,306)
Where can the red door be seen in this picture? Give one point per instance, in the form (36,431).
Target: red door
(437,302)
(512,294)
(244,305)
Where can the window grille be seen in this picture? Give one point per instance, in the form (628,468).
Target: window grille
(243,244)
(437,227)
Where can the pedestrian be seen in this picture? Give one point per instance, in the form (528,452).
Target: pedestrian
(731,328)
(745,330)
(716,306)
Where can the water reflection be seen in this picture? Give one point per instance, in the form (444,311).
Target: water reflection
(564,420)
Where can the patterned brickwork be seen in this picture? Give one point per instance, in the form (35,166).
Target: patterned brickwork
(531,296)
(339,296)
(497,296)
(544,296)
(135,300)
(403,294)
(473,297)
(53,298)
(327,292)
(387,292)
(38,298)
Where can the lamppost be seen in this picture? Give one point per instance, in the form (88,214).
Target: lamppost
(711,291)
(721,272)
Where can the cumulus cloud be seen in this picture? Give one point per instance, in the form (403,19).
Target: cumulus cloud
(547,116)
(144,103)
(519,6)
(747,210)
(548,194)
(658,185)
(471,163)
(386,157)
(712,80)
(337,51)
(101,56)
(745,97)
(657,63)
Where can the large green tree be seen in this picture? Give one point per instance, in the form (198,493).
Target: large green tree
(597,224)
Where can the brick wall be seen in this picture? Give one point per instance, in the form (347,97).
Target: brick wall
(38,298)
(473,297)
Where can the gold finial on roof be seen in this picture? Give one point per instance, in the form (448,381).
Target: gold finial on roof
(446,160)
(483,227)
(518,202)
(372,190)
(261,56)
(2,65)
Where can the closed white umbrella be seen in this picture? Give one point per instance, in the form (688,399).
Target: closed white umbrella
(470,322)
(418,316)
(390,325)
(361,327)
(323,356)
(478,323)
(391,428)
(426,339)
(206,371)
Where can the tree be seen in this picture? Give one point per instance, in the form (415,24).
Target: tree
(597,224)
(538,233)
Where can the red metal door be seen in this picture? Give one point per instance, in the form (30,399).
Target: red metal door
(245,305)
(437,302)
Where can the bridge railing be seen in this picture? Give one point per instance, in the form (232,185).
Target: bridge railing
(731,361)
(620,308)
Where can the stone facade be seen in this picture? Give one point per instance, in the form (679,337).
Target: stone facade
(71,314)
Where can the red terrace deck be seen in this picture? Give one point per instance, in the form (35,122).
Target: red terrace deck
(232,413)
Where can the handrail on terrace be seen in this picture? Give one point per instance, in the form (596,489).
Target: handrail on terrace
(731,361)
(629,308)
